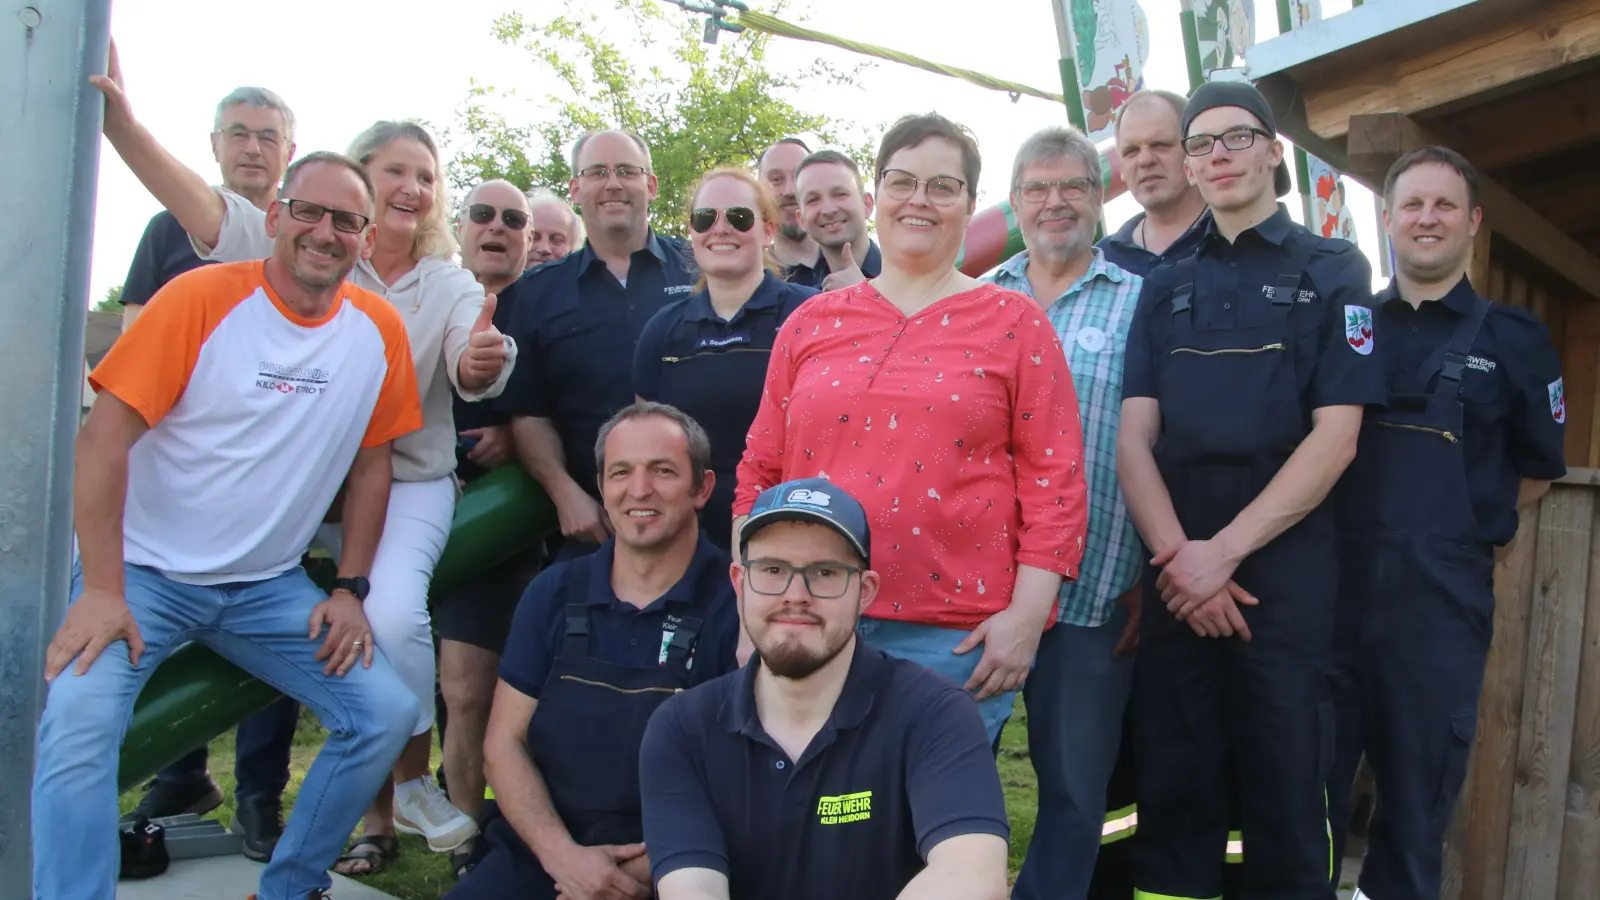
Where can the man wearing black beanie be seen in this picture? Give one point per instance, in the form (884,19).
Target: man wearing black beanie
(1248,367)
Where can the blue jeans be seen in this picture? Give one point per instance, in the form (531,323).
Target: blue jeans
(1075,697)
(260,755)
(261,627)
(930,646)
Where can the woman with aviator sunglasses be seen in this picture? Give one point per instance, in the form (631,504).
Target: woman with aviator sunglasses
(707,353)
(945,406)
(454,347)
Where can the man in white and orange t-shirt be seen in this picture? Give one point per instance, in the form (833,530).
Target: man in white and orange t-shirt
(227,418)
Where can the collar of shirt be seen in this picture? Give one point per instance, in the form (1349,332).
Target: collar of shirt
(1460,300)
(652,244)
(1014,275)
(868,669)
(708,561)
(1275,230)
(769,293)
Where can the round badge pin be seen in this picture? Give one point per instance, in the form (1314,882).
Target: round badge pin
(1092,339)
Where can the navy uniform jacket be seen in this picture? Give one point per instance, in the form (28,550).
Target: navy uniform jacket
(1121,248)
(579,326)
(163,254)
(1513,398)
(813,276)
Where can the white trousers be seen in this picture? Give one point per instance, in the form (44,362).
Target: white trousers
(414,534)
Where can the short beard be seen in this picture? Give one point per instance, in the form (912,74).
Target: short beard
(795,232)
(793,661)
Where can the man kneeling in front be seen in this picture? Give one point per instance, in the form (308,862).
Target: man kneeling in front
(823,768)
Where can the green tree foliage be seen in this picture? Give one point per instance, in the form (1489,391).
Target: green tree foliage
(112,302)
(699,107)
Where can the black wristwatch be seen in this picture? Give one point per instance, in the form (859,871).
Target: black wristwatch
(359,586)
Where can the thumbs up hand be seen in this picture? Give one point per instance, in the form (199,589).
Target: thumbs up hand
(850,274)
(486,351)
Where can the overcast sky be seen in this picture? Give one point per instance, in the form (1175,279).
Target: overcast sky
(410,59)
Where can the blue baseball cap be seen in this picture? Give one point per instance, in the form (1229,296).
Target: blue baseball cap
(811,500)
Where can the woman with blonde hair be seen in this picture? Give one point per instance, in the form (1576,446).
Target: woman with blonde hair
(453,345)
(707,353)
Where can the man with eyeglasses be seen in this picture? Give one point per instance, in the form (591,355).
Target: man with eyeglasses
(253,140)
(835,206)
(228,417)
(823,768)
(597,644)
(1083,670)
(1247,371)
(581,317)
(792,247)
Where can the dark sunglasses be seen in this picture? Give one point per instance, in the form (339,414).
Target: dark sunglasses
(483,214)
(312,213)
(742,218)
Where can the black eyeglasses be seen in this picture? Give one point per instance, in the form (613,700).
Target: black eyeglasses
(1071,189)
(773,577)
(742,218)
(1235,139)
(312,213)
(943,190)
(483,214)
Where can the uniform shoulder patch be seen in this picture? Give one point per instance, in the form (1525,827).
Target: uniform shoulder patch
(1558,400)
(1358,328)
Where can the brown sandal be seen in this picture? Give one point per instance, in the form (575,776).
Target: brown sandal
(375,850)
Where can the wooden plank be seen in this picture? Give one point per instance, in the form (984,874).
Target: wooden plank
(1497,284)
(1581,475)
(1438,74)
(1579,348)
(1568,113)
(1485,803)
(1478,264)
(1386,136)
(1544,753)
(1580,847)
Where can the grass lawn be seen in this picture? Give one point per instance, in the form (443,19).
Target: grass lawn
(421,875)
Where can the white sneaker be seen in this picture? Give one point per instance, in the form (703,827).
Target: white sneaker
(421,808)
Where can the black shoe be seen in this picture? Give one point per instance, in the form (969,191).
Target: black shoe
(170,798)
(261,824)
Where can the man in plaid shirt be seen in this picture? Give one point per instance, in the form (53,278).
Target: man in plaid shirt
(1083,673)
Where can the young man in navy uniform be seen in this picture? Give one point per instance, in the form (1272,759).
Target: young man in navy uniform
(823,768)
(1471,432)
(582,316)
(1248,366)
(597,643)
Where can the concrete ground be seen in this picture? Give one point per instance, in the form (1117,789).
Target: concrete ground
(222,878)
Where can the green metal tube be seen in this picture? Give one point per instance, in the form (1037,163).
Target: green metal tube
(196,695)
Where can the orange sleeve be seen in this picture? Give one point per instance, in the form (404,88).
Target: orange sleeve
(149,366)
(399,408)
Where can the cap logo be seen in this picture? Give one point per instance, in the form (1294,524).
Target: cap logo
(809,497)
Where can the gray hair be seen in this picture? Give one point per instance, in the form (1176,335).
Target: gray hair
(543,196)
(699,444)
(260,98)
(1059,142)
(577,148)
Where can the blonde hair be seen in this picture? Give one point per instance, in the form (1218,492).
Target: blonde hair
(433,236)
(766,207)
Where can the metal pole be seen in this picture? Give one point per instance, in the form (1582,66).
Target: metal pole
(50,141)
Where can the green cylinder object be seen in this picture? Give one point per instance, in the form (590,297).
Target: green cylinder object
(196,695)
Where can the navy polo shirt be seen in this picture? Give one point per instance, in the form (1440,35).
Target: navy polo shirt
(1121,248)
(902,763)
(619,632)
(1233,285)
(713,369)
(1509,419)
(577,326)
(813,276)
(164,253)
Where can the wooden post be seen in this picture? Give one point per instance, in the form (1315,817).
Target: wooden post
(1555,644)
(1478,263)
(1580,842)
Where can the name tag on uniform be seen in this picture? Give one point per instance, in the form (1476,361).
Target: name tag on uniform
(729,341)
